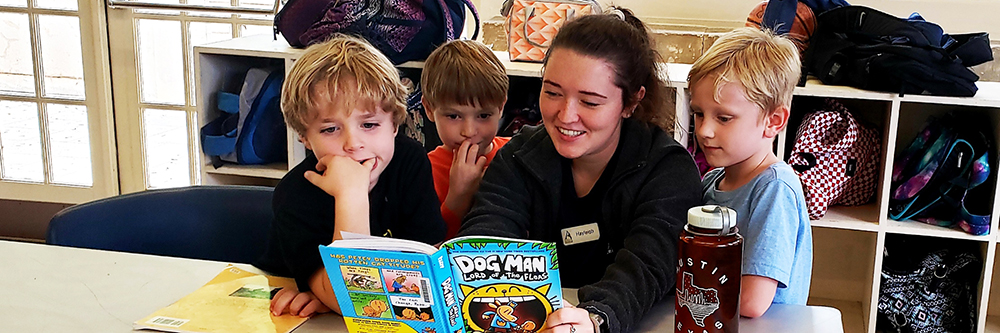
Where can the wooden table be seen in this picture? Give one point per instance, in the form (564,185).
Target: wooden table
(46,288)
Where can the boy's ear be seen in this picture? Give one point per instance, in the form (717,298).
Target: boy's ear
(776,121)
(304,141)
(427,109)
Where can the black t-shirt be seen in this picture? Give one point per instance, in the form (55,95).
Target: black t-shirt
(402,204)
(583,263)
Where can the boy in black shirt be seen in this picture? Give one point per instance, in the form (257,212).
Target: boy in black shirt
(345,100)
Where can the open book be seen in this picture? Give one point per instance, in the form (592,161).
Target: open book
(233,301)
(470,284)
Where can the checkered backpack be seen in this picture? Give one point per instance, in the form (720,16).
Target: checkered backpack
(836,159)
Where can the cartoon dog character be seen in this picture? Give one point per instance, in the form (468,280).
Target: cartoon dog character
(492,307)
(503,318)
(375,308)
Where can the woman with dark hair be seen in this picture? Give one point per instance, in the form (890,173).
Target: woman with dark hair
(601,166)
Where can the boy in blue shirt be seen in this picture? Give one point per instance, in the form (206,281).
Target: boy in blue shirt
(741,92)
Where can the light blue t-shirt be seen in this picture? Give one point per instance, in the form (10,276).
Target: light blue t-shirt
(772,218)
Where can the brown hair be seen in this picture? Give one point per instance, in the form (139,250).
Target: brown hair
(766,65)
(624,42)
(332,65)
(463,72)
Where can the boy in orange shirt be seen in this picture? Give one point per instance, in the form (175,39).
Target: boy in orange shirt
(465,88)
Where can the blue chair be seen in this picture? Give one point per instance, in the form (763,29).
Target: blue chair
(223,223)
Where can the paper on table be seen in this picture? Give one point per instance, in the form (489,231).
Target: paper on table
(233,301)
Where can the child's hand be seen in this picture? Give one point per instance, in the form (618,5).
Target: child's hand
(341,176)
(467,169)
(297,304)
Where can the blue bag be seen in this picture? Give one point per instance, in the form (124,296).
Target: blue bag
(251,129)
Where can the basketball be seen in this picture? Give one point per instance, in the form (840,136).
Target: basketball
(803,26)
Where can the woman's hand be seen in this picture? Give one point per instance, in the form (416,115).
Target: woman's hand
(569,319)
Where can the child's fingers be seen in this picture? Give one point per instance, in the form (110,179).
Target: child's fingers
(313,178)
(462,151)
(369,163)
(298,303)
(323,163)
(280,301)
(481,163)
(472,154)
(310,308)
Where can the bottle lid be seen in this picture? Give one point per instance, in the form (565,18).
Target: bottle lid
(712,217)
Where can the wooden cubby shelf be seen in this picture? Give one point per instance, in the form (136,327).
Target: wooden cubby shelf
(848,241)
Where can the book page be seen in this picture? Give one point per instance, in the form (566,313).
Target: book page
(384,244)
(233,301)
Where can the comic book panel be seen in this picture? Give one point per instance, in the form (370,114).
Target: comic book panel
(400,281)
(371,305)
(359,278)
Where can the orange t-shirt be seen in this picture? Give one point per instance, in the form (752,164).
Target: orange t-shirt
(441,159)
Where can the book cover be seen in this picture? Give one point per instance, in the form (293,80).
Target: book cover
(477,284)
(505,285)
(234,301)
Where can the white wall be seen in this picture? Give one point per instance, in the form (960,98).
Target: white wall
(955,16)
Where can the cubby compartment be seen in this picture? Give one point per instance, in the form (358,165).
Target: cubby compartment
(872,113)
(842,274)
(911,274)
(913,117)
(223,72)
(992,320)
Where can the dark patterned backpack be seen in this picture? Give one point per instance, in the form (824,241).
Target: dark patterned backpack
(927,287)
(403,30)
(836,158)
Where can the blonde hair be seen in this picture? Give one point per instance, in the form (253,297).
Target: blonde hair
(766,65)
(335,63)
(464,72)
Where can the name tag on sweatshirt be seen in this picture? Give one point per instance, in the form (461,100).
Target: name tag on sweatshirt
(581,234)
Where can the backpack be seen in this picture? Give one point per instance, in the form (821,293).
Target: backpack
(251,129)
(793,18)
(938,179)
(928,286)
(403,30)
(868,49)
(835,157)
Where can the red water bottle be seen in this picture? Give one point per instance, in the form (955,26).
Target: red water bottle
(710,257)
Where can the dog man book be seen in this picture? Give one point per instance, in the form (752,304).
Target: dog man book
(469,284)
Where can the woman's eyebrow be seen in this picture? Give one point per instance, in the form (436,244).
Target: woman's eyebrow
(585,92)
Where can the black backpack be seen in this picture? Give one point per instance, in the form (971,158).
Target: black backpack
(862,47)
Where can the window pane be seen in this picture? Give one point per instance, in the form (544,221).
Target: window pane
(16,75)
(203,33)
(14,3)
(20,142)
(56,4)
(165,141)
(161,69)
(69,144)
(210,3)
(62,60)
(258,4)
(250,30)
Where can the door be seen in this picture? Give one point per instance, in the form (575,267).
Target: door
(56,125)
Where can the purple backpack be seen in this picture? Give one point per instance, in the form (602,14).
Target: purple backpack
(403,30)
